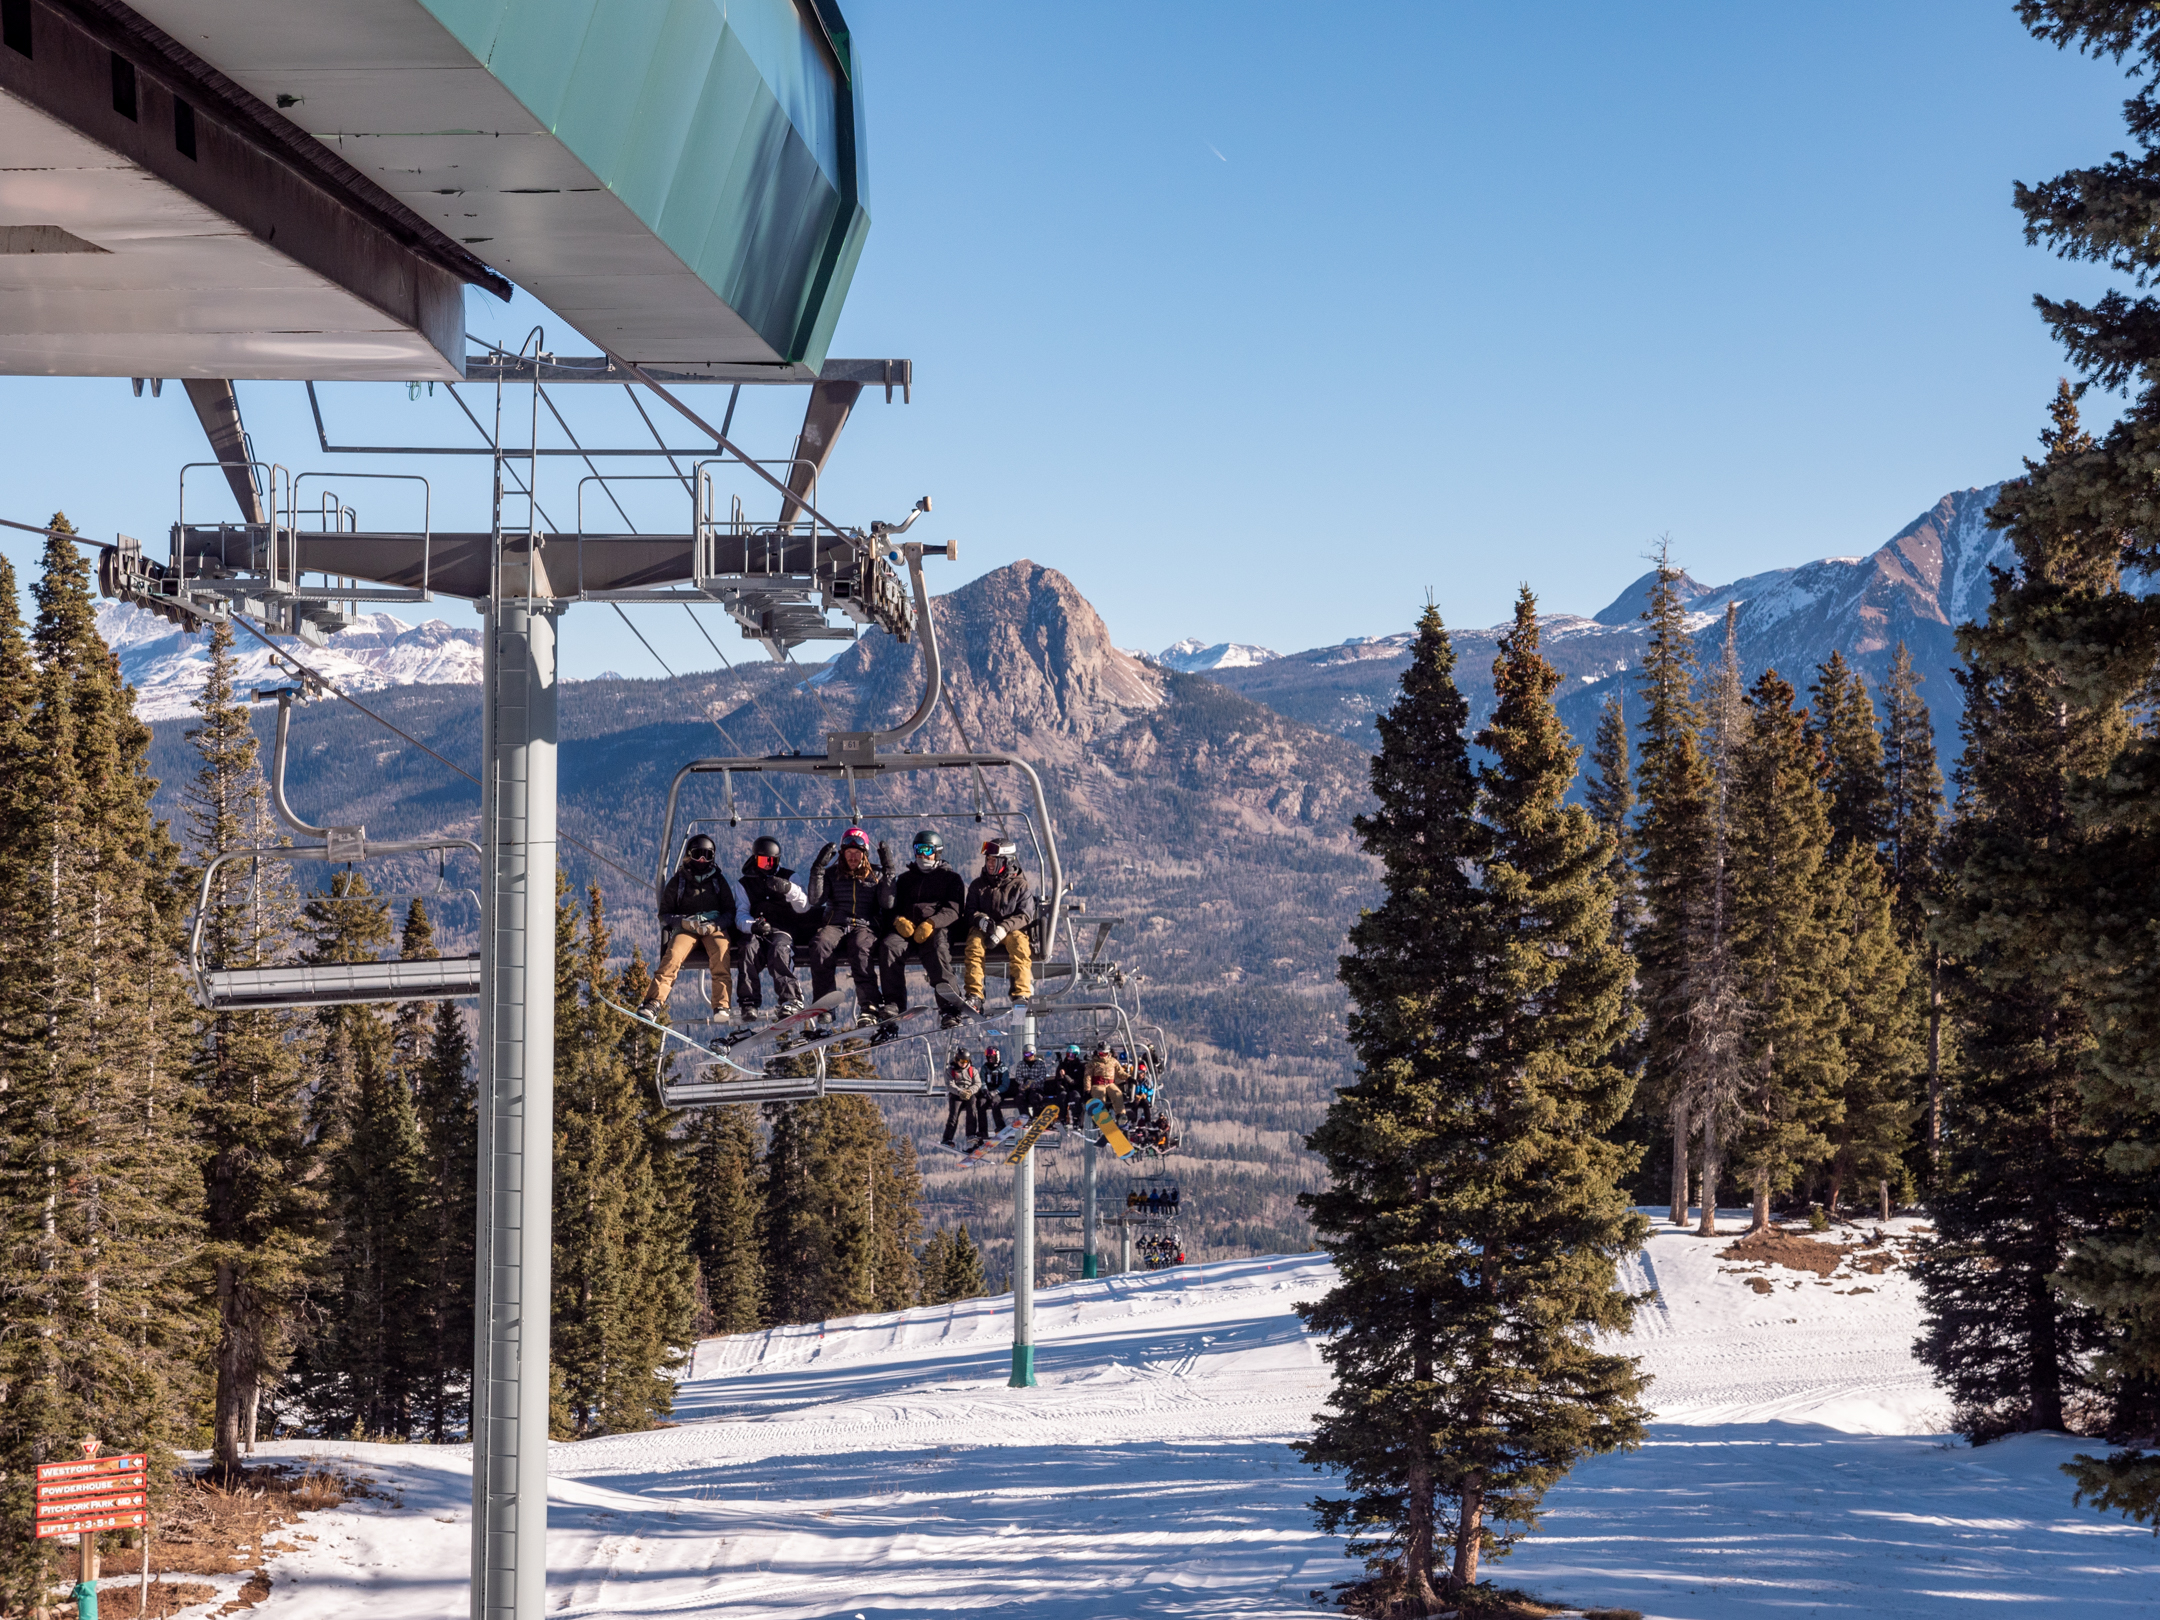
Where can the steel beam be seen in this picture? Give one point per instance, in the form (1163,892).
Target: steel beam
(517,1130)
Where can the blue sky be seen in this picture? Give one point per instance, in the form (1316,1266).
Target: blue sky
(1260,320)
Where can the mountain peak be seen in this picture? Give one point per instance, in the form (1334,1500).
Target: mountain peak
(1027,660)
(1194,657)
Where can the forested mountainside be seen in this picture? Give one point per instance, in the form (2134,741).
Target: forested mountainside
(1216,827)
(1928,578)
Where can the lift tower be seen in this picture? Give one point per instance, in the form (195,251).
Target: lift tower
(211,190)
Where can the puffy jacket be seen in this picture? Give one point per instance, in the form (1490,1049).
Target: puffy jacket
(1003,899)
(962,1082)
(839,897)
(685,896)
(933,897)
(775,896)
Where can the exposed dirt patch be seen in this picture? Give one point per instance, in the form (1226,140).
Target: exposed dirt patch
(1784,1249)
(1762,1285)
(116,1602)
(256,1589)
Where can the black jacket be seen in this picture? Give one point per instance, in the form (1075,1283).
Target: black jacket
(933,896)
(837,897)
(1003,899)
(684,896)
(772,896)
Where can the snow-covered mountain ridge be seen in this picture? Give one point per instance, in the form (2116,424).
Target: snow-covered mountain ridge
(1193,657)
(167,668)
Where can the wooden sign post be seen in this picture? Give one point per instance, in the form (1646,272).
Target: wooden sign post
(81,1498)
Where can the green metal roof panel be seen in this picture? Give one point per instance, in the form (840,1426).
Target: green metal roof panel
(725,126)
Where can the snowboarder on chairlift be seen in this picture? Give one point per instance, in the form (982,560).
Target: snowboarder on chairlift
(926,903)
(963,1097)
(851,900)
(698,911)
(777,905)
(997,910)
(1103,1074)
(1034,1082)
(997,1088)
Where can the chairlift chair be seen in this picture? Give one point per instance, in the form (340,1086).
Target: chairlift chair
(326,984)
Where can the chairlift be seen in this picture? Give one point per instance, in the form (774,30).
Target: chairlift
(330,984)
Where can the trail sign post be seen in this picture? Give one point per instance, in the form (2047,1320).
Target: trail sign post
(83,1497)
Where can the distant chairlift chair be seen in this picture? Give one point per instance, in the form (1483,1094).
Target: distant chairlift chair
(324,984)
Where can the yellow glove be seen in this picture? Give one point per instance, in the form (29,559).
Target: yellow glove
(904,927)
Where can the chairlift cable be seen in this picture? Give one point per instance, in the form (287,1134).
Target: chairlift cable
(770,722)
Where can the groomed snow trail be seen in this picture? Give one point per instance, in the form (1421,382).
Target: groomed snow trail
(880,1467)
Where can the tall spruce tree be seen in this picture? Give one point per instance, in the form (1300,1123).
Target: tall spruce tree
(262,1209)
(1792,968)
(100,1172)
(1676,840)
(1472,1208)
(1841,720)
(446,1105)
(1609,795)
(1912,827)
(1711,1079)
(2103,642)
(625,1279)
(2024,1180)
(722,1144)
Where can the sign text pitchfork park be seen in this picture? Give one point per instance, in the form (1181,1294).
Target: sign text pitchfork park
(96,1493)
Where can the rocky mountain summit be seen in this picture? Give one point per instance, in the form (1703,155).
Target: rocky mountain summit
(1191,657)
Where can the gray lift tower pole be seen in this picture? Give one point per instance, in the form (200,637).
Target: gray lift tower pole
(1023,1269)
(517,1095)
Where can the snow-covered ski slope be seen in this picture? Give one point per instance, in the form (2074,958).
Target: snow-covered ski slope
(880,1467)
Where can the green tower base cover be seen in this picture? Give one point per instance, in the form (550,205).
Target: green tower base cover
(1023,1374)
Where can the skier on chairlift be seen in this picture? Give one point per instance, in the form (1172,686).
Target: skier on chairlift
(698,911)
(926,903)
(998,1089)
(963,1098)
(1034,1082)
(997,913)
(851,900)
(777,905)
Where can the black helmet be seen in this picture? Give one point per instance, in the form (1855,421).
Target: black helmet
(698,850)
(998,849)
(927,842)
(765,854)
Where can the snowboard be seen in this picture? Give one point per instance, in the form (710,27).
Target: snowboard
(1043,1121)
(1099,1117)
(781,1028)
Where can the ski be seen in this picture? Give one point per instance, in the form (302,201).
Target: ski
(1098,1115)
(1043,1121)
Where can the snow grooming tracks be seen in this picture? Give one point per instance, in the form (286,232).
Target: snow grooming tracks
(881,1465)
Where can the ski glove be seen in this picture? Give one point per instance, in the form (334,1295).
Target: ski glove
(825,857)
(761,928)
(981,922)
(998,932)
(884,855)
(904,928)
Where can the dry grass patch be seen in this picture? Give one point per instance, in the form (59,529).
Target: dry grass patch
(117,1602)
(1776,1248)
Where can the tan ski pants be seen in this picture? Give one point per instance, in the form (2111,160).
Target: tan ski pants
(1019,963)
(679,947)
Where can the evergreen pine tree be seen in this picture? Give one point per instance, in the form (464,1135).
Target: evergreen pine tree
(100,1172)
(1676,839)
(1912,826)
(1610,798)
(1871,1125)
(625,1279)
(1842,723)
(1711,1080)
(446,1105)
(724,1223)
(1785,906)
(2023,1180)
(1472,1210)
(262,1212)
(951,1267)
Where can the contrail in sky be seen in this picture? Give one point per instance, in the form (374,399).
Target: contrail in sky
(1211,146)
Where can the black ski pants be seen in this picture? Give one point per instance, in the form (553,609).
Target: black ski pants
(772,953)
(853,943)
(935,955)
(963,1110)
